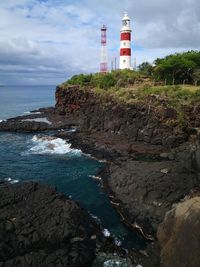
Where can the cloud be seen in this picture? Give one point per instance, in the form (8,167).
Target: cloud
(45,42)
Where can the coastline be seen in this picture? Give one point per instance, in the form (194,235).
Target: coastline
(142,179)
(83,142)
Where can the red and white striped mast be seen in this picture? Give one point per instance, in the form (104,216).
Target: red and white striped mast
(125,43)
(104,59)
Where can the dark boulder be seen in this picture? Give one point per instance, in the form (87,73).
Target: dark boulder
(41,227)
(179,235)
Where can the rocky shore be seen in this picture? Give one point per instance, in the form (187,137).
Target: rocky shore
(41,227)
(152,162)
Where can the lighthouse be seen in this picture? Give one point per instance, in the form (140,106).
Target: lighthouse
(125,43)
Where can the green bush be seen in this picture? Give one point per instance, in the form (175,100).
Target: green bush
(178,68)
(80,79)
(115,78)
(104,80)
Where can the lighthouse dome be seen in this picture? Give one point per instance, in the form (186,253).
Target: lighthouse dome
(126,17)
(126,23)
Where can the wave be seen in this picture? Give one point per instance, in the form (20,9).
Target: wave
(106,233)
(95,177)
(102,160)
(10,180)
(39,120)
(117,263)
(96,218)
(118,242)
(32,113)
(72,130)
(51,145)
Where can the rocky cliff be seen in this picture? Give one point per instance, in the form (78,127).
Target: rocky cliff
(150,120)
(148,127)
(157,163)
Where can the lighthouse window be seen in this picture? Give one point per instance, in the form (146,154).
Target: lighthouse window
(124,61)
(124,43)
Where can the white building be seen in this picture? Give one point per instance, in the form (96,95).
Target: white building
(125,44)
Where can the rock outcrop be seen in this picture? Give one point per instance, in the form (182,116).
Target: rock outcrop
(43,119)
(147,189)
(40,227)
(179,235)
(140,121)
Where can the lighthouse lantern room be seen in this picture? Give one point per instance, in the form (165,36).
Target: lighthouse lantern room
(125,43)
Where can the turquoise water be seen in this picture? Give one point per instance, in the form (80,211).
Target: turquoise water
(32,157)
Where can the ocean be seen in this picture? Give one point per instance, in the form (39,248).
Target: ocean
(26,157)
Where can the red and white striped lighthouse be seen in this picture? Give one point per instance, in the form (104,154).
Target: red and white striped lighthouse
(125,44)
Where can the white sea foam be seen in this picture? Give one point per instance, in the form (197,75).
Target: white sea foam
(34,113)
(95,218)
(118,242)
(72,130)
(39,120)
(7,179)
(95,177)
(111,263)
(15,181)
(114,263)
(117,263)
(105,232)
(11,181)
(102,160)
(51,145)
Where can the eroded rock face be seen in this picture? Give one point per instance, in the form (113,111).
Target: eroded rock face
(40,227)
(140,121)
(179,235)
(148,189)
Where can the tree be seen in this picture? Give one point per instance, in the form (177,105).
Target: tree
(196,75)
(179,67)
(146,68)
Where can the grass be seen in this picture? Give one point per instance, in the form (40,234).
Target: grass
(172,94)
(123,87)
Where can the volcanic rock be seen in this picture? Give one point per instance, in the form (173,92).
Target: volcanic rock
(41,227)
(179,235)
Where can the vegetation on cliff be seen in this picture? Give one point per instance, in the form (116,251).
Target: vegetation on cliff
(130,86)
(170,81)
(179,68)
(160,97)
(117,78)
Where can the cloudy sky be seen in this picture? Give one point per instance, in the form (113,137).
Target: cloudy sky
(47,41)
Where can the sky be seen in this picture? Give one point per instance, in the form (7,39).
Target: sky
(48,41)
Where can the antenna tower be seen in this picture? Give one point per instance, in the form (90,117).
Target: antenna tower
(104,60)
(135,64)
